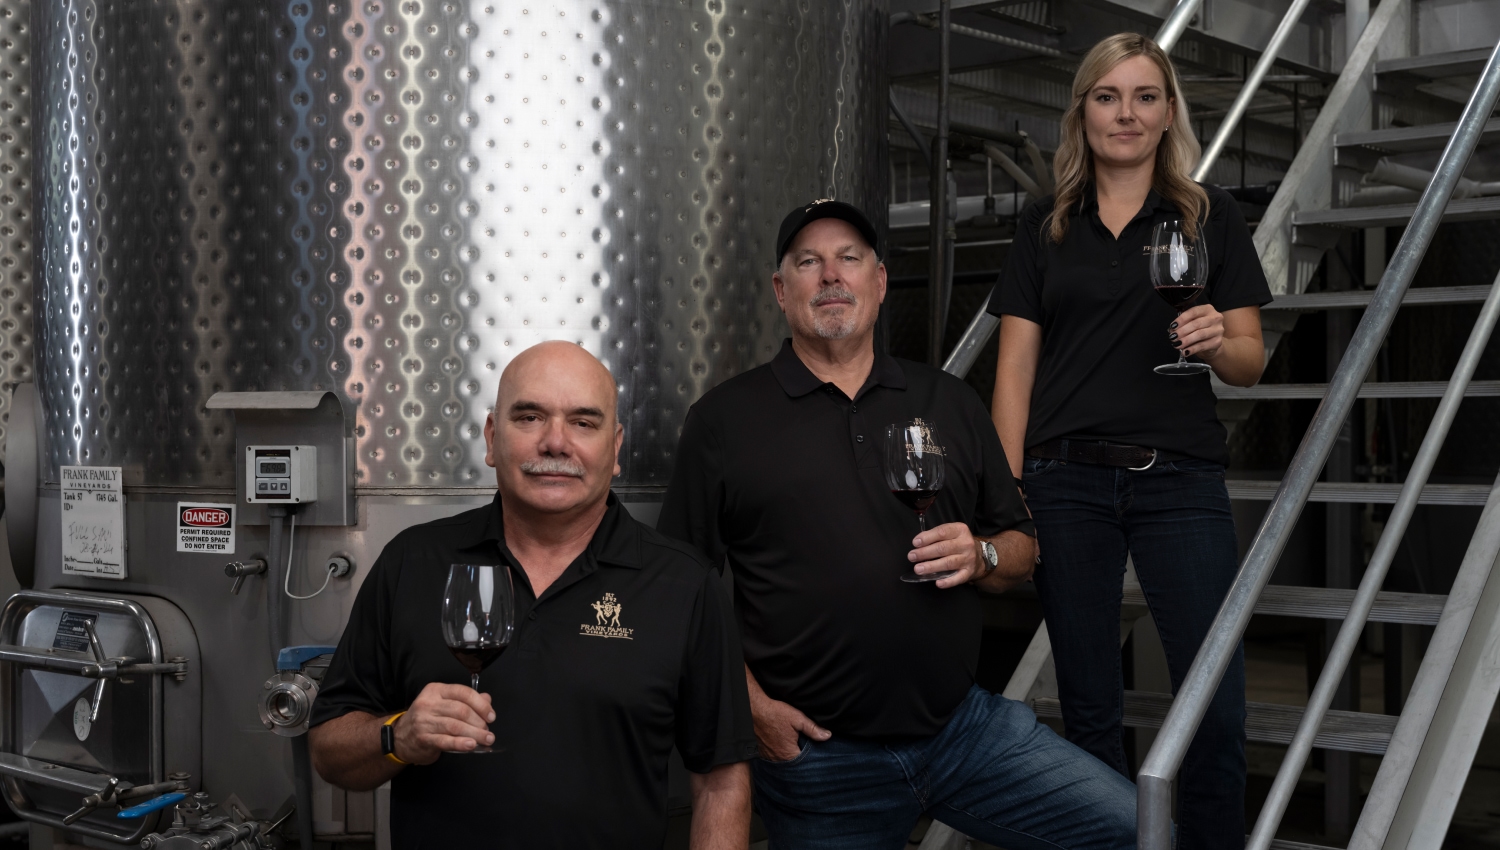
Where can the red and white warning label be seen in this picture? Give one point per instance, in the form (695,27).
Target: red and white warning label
(205,528)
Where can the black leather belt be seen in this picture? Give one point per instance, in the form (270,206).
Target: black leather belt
(1103,453)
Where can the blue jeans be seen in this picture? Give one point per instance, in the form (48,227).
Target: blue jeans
(993,773)
(1174,521)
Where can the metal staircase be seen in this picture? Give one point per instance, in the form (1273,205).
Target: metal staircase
(1356,170)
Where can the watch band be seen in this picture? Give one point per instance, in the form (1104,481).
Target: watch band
(990,557)
(388,738)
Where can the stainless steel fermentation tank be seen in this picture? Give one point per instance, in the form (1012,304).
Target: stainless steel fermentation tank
(387,199)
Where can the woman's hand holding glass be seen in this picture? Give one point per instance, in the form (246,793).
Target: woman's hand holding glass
(1198,332)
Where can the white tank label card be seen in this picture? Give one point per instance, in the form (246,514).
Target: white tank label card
(205,528)
(93,522)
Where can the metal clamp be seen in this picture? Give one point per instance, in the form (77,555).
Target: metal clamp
(1147,466)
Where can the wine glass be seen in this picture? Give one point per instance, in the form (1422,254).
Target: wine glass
(478,618)
(1179,271)
(914,470)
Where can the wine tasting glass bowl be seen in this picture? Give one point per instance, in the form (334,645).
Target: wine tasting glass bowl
(915,468)
(1179,271)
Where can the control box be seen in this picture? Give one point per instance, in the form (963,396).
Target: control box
(284,474)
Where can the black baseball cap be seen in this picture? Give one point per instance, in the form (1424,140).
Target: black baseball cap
(823,208)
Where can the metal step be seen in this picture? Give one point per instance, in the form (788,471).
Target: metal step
(1362,493)
(1432,66)
(1265,722)
(1322,603)
(1281,844)
(1387,389)
(1355,298)
(1427,137)
(1306,225)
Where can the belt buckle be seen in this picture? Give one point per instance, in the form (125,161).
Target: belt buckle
(1147,466)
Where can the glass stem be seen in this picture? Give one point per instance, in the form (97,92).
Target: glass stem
(1181,355)
(921,521)
(474,681)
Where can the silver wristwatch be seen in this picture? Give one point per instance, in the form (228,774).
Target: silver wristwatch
(991,557)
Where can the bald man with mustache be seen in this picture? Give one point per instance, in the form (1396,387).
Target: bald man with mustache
(581,711)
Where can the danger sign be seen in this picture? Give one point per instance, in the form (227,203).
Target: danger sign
(205,529)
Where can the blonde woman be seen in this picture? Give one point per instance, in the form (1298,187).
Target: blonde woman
(1117,460)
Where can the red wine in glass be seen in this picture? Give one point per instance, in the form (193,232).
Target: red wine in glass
(1179,271)
(914,470)
(478,618)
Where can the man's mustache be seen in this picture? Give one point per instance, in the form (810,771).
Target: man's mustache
(831,294)
(552,466)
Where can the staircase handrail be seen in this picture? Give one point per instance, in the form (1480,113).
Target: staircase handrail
(1154,782)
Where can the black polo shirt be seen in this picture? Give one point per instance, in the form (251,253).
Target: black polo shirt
(782,473)
(1104,328)
(585,717)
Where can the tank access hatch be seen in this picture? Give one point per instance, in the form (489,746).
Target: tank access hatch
(101,701)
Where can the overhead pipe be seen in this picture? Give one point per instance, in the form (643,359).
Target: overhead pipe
(1409,177)
(1009,166)
(1154,782)
(1236,112)
(911,129)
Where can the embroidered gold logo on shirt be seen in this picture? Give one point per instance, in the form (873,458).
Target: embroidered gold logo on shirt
(606,620)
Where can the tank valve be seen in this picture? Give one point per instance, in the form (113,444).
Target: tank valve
(287,702)
(237,570)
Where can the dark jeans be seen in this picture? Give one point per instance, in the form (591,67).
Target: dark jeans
(1174,521)
(993,773)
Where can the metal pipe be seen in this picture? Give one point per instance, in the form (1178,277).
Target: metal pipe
(1043,173)
(911,129)
(302,787)
(276,516)
(1162,762)
(1385,552)
(1252,83)
(938,260)
(998,157)
(1173,26)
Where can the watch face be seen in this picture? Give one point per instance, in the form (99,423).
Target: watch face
(990,554)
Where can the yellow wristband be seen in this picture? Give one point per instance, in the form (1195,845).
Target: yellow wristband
(388,737)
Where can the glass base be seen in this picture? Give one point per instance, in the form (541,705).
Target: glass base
(1182,367)
(914,578)
(477,751)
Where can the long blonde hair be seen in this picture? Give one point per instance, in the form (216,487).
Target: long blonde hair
(1176,155)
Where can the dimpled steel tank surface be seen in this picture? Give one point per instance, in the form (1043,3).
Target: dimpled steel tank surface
(390,198)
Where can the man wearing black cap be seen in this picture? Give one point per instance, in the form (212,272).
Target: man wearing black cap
(862,685)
